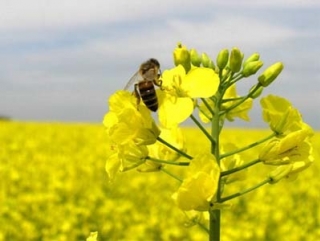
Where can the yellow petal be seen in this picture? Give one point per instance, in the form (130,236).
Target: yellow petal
(174,110)
(201,83)
(121,99)
(112,165)
(170,76)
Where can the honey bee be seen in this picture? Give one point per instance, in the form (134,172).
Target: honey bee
(145,79)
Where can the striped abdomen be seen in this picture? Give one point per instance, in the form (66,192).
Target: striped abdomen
(148,94)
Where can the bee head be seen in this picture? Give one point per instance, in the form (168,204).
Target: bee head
(150,64)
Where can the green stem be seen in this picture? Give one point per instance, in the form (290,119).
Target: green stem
(215,215)
(232,99)
(235,79)
(168,162)
(208,106)
(248,147)
(238,194)
(202,128)
(174,148)
(171,175)
(225,76)
(239,168)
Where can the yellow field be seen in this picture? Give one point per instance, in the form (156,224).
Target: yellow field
(54,187)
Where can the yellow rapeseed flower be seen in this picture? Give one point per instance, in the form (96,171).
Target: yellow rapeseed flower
(125,157)
(176,102)
(126,121)
(198,189)
(291,171)
(287,149)
(279,113)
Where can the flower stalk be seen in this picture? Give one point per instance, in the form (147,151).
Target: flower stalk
(238,194)
(215,215)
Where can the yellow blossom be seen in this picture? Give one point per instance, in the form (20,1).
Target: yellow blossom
(279,113)
(173,110)
(287,149)
(200,186)
(176,102)
(125,121)
(125,157)
(291,171)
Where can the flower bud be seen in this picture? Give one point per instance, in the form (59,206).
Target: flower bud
(205,60)
(280,172)
(257,91)
(195,58)
(253,57)
(222,58)
(235,60)
(270,74)
(211,65)
(181,56)
(251,68)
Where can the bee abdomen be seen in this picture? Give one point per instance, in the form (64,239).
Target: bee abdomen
(148,95)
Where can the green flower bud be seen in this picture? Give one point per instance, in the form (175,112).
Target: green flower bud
(251,68)
(195,58)
(235,60)
(181,56)
(211,65)
(205,60)
(270,74)
(253,57)
(222,58)
(257,91)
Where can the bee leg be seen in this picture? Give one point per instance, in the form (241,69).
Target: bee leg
(137,95)
(158,83)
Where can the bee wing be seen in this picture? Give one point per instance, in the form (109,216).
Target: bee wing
(135,78)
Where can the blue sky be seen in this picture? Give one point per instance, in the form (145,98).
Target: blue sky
(61,60)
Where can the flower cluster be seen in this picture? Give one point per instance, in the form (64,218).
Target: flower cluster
(198,84)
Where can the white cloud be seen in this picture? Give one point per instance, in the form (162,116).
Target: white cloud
(210,35)
(44,14)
